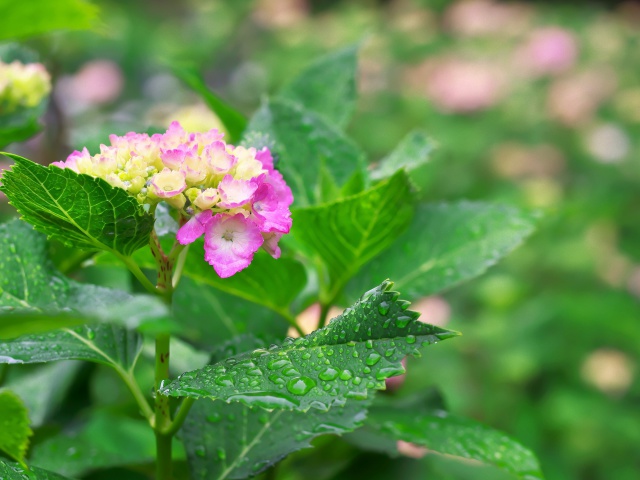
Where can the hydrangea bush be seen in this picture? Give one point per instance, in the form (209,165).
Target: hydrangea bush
(207,313)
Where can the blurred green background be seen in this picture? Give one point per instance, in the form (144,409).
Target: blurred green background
(536,104)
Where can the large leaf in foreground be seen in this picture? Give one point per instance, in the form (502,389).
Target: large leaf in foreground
(446,244)
(14,425)
(25,19)
(13,471)
(309,88)
(352,355)
(235,441)
(76,209)
(348,233)
(307,145)
(447,434)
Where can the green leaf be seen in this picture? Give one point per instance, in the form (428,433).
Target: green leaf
(107,344)
(234,441)
(13,471)
(348,233)
(233,120)
(207,313)
(328,86)
(447,434)
(35,17)
(104,440)
(35,298)
(447,244)
(412,152)
(305,142)
(21,124)
(354,354)
(14,426)
(43,387)
(76,209)
(268,282)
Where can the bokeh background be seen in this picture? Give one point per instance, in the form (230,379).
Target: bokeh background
(536,104)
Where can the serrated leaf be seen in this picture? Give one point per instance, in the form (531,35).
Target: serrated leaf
(305,142)
(337,69)
(107,344)
(14,426)
(78,209)
(412,152)
(351,356)
(447,434)
(35,17)
(233,120)
(446,244)
(104,440)
(13,471)
(235,441)
(348,233)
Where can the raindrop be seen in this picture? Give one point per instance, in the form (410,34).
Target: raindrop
(373,358)
(329,374)
(224,381)
(402,321)
(300,385)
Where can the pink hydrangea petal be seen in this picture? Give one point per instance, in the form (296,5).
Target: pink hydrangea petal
(194,228)
(269,214)
(264,156)
(173,158)
(270,244)
(235,193)
(230,243)
(283,192)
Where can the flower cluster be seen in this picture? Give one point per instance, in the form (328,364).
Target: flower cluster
(230,194)
(22,85)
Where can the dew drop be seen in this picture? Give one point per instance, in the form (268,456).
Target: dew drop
(373,358)
(410,339)
(224,381)
(328,374)
(300,385)
(402,321)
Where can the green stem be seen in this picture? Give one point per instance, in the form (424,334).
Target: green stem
(162,410)
(133,386)
(180,417)
(177,273)
(324,312)
(135,269)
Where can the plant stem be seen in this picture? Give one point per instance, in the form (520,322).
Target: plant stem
(133,386)
(135,269)
(162,410)
(180,416)
(324,312)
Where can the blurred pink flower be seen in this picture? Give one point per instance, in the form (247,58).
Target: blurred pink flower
(573,100)
(96,83)
(486,17)
(548,51)
(461,86)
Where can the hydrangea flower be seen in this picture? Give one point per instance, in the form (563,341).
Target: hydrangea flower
(230,194)
(22,85)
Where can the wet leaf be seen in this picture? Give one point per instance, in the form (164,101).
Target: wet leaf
(76,209)
(309,88)
(14,426)
(347,359)
(235,441)
(447,434)
(446,244)
(305,143)
(13,471)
